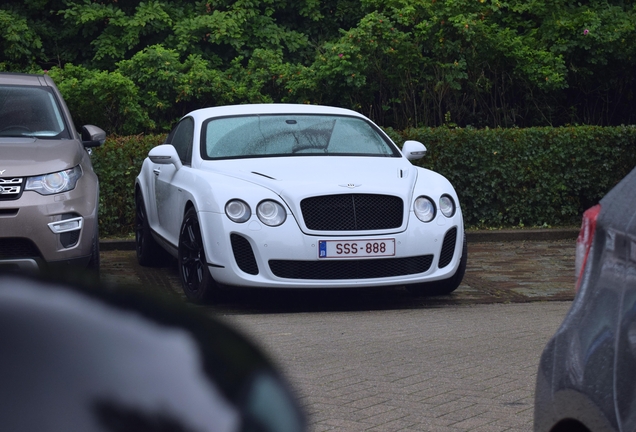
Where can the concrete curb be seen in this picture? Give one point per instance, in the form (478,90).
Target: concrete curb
(547,234)
(479,236)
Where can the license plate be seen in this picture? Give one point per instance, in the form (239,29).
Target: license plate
(356,248)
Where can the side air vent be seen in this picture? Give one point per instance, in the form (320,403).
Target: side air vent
(243,254)
(448,248)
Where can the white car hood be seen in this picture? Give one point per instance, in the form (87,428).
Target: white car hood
(294,178)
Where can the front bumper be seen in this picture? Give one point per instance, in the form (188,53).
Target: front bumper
(28,242)
(254,255)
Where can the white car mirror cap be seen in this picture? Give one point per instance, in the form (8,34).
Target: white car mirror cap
(165,154)
(413,150)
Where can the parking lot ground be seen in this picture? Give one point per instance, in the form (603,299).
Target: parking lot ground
(497,272)
(437,369)
(383,360)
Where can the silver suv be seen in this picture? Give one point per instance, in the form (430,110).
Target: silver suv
(49,194)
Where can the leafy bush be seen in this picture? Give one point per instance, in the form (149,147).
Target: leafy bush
(407,63)
(105,99)
(504,177)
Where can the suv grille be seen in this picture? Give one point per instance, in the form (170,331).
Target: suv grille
(12,248)
(352,212)
(351,269)
(11,188)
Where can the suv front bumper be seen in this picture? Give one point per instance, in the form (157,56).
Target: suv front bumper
(28,241)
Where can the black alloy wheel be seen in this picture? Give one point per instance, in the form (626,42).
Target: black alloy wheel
(195,276)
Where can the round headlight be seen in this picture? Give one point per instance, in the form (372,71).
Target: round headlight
(55,182)
(238,211)
(447,206)
(271,213)
(424,209)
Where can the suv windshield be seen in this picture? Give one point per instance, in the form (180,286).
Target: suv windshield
(292,135)
(29,111)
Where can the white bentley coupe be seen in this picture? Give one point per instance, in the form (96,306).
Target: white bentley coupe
(295,196)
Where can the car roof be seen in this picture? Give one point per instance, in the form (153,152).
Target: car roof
(271,108)
(13,78)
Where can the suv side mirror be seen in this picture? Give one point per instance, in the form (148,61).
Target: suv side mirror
(92,136)
(413,150)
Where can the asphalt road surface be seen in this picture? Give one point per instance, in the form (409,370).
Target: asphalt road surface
(383,360)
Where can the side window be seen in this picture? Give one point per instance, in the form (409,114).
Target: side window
(181,138)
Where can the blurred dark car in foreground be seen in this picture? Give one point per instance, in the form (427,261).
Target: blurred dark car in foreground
(587,374)
(81,359)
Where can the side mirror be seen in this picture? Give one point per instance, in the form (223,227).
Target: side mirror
(165,154)
(413,150)
(92,136)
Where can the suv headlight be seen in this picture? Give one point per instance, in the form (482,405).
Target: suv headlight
(57,182)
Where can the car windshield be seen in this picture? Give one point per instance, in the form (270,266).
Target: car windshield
(29,111)
(292,135)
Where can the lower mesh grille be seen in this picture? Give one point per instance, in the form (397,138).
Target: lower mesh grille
(12,248)
(350,269)
(243,254)
(448,248)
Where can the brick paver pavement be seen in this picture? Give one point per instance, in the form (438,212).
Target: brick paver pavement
(382,360)
(448,368)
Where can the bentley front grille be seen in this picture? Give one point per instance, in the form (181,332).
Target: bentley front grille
(351,269)
(352,212)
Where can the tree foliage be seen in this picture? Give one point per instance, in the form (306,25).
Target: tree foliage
(138,65)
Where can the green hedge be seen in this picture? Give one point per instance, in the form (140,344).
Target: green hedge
(117,164)
(528,177)
(534,177)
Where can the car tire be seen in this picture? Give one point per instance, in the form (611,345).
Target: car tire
(94,262)
(197,282)
(444,286)
(149,253)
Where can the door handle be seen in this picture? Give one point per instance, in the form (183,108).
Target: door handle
(157,171)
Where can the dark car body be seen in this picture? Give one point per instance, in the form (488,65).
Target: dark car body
(49,194)
(587,374)
(90,359)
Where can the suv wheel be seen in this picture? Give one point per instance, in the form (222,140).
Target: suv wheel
(94,262)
